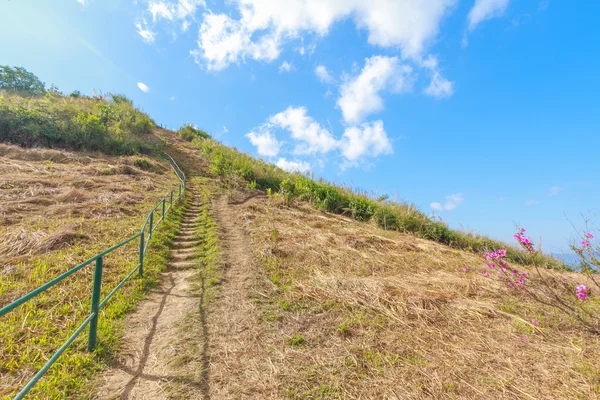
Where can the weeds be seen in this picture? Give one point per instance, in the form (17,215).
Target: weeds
(111,125)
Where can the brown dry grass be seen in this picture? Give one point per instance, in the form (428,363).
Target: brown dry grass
(52,199)
(352,311)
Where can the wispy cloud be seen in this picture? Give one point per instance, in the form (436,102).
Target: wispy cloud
(555,191)
(144,31)
(286,67)
(484,10)
(143,87)
(324,75)
(531,202)
(451,202)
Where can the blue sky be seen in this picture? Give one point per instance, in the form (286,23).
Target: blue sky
(484,112)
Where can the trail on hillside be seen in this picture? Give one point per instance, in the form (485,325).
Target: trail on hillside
(147,364)
(239,367)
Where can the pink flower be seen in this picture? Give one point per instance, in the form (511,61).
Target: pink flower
(581,292)
(589,235)
(520,281)
(503,269)
(503,263)
(523,230)
(486,273)
(464,268)
(585,243)
(534,322)
(523,338)
(515,271)
(524,275)
(501,252)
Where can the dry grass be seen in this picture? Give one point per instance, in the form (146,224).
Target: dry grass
(386,315)
(57,209)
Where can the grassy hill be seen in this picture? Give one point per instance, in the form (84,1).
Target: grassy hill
(348,296)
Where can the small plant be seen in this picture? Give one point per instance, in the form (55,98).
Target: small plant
(287,188)
(296,341)
(144,164)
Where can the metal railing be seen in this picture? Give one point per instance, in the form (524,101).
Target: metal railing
(97,305)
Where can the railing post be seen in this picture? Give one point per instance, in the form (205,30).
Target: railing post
(141,271)
(163,208)
(95,303)
(151,223)
(179,192)
(171,201)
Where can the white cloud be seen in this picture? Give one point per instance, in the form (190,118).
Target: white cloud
(368,139)
(143,87)
(172,98)
(225,130)
(144,31)
(286,67)
(360,95)
(531,202)
(452,201)
(439,87)
(405,24)
(223,41)
(180,11)
(486,9)
(82,2)
(312,136)
(323,74)
(357,142)
(265,142)
(293,166)
(555,190)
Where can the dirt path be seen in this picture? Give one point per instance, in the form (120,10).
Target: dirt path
(147,367)
(239,367)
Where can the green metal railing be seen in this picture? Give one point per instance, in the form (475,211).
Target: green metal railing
(97,305)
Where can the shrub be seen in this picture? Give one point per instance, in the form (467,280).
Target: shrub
(74,123)
(287,189)
(387,219)
(189,133)
(362,209)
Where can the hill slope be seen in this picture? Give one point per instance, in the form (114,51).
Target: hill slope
(295,288)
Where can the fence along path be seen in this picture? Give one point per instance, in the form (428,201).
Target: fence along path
(144,235)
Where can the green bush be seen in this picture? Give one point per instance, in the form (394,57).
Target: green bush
(189,133)
(362,209)
(73,122)
(287,188)
(387,219)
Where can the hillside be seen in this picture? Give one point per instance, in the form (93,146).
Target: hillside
(263,284)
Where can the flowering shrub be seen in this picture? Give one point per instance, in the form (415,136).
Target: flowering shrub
(550,288)
(524,241)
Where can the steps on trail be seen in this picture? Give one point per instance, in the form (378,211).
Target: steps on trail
(143,370)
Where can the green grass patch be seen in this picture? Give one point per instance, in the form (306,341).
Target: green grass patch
(30,334)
